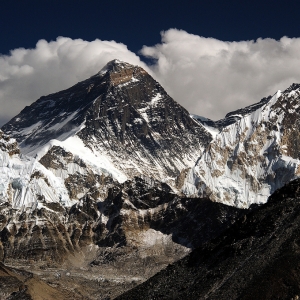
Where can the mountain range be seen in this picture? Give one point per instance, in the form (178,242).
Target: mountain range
(113,172)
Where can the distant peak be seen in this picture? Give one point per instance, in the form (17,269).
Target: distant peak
(292,87)
(115,65)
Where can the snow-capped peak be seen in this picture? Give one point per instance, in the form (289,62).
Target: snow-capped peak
(129,126)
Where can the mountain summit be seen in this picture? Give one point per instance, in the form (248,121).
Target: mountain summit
(121,123)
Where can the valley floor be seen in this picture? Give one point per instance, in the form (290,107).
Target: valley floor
(88,281)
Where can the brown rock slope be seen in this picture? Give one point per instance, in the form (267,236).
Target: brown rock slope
(257,258)
(139,214)
(18,284)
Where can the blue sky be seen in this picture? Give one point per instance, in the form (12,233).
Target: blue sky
(210,56)
(137,23)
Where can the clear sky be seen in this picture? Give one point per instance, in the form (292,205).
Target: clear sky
(137,23)
(211,56)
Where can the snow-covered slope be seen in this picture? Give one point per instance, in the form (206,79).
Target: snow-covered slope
(252,155)
(24,182)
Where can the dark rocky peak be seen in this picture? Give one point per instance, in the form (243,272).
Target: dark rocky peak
(136,114)
(53,116)
(118,85)
(117,72)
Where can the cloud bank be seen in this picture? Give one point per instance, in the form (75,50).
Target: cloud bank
(207,76)
(211,77)
(27,74)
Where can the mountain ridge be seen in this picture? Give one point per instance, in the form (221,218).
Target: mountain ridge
(121,123)
(252,157)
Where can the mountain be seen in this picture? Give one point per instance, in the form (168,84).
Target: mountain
(120,123)
(256,258)
(119,133)
(254,152)
(139,227)
(107,154)
(113,176)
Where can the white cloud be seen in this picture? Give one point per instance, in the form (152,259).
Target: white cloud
(207,76)
(27,74)
(211,77)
